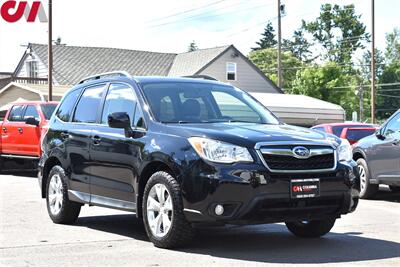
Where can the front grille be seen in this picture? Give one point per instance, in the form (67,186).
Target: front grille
(283,158)
(279,162)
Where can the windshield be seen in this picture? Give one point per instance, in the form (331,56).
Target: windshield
(48,110)
(337,130)
(185,102)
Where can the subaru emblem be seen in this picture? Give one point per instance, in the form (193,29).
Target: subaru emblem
(301,152)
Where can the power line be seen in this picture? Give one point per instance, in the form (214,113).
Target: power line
(186,11)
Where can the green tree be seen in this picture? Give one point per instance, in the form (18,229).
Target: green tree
(339,31)
(325,82)
(298,46)
(265,60)
(388,97)
(268,39)
(192,46)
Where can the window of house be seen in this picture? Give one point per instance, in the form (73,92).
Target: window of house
(32,69)
(231,71)
(86,109)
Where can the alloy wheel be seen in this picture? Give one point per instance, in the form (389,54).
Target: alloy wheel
(159,210)
(363,178)
(55,194)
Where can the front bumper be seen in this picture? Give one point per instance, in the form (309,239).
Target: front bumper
(251,194)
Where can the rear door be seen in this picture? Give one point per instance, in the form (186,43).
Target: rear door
(10,133)
(384,159)
(77,136)
(30,134)
(115,158)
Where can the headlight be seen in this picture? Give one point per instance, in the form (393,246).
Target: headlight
(220,152)
(344,151)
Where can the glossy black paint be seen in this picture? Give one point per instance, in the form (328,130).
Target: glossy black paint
(103,161)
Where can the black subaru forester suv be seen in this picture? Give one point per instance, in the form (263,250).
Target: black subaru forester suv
(185,152)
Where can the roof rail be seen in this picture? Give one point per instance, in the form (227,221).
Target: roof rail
(106,74)
(205,77)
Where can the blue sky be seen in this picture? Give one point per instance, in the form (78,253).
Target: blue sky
(169,26)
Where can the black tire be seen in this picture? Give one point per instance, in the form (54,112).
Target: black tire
(311,229)
(69,211)
(394,189)
(180,232)
(367,190)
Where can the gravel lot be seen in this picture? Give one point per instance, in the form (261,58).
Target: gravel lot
(103,237)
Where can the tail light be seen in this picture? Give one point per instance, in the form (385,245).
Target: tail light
(43,133)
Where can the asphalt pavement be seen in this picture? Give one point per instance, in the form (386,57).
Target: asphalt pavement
(103,237)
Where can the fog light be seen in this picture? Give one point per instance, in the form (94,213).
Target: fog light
(219,210)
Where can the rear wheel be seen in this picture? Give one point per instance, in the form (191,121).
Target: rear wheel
(311,229)
(163,217)
(367,190)
(60,208)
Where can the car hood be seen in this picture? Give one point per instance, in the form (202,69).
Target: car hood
(249,134)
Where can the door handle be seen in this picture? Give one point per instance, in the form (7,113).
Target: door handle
(4,129)
(96,140)
(64,135)
(20,130)
(396,142)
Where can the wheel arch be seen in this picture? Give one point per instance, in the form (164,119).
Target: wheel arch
(145,175)
(48,165)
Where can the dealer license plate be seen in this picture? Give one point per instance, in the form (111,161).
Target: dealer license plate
(304,188)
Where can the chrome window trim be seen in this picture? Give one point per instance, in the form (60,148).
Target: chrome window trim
(304,143)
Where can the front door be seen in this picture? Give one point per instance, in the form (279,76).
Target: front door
(30,134)
(114,157)
(384,162)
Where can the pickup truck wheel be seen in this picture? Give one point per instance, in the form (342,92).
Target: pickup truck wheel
(60,208)
(367,190)
(311,229)
(163,217)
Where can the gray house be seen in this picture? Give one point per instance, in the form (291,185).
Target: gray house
(72,63)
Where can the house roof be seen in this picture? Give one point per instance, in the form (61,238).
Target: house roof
(40,89)
(71,63)
(190,63)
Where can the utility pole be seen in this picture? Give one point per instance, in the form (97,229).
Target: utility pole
(361,95)
(50,52)
(373,100)
(280,78)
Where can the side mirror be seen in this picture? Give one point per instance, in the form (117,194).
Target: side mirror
(32,121)
(121,120)
(379,134)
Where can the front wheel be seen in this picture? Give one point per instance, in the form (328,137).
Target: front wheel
(311,229)
(60,208)
(367,190)
(163,217)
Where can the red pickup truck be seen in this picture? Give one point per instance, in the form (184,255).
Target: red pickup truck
(22,129)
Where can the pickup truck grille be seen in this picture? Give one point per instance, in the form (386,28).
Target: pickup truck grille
(283,158)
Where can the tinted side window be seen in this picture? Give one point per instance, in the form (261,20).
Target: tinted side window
(31,112)
(64,112)
(393,125)
(321,129)
(120,98)
(86,110)
(16,113)
(138,121)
